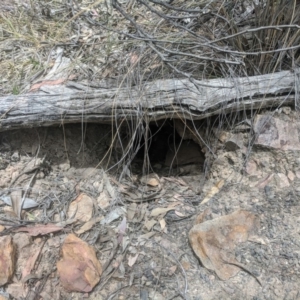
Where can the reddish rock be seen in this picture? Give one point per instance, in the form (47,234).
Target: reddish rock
(214,241)
(7,259)
(79,269)
(275,133)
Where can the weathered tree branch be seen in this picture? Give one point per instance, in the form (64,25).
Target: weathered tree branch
(156,100)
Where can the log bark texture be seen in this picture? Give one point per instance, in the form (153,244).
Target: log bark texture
(170,98)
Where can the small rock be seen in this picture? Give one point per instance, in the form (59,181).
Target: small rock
(251,167)
(235,142)
(275,133)
(15,157)
(7,259)
(298,173)
(291,175)
(40,175)
(65,166)
(156,296)
(222,135)
(286,110)
(281,180)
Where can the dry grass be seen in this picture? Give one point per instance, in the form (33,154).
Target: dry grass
(138,40)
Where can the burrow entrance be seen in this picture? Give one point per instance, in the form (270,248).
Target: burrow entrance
(162,145)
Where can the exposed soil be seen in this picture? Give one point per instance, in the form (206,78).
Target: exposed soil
(153,259)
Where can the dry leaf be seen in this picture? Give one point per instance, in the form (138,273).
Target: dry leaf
(149,224)
(213,191)
(16,201)
(162,211)
(153,182)
(176,180)
(122,230)
(36,86)
(88,225)
(162,223)
(258,240)
(39,229)
(28,203)
(81,208)
(150,179)
(261,184)
(179,214)
(174,204)
(132,259)
(103,200)
(146,236)
(110,189)
(112,216)
(131,210)
(31,262)
(172,270)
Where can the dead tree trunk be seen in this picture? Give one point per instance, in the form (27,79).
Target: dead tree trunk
(186,99)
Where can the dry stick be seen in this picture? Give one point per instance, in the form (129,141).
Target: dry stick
(165,4)
(178,263)
(241,266)
(253,53)
(78,15)
(114,250)
(225,61)
(152,46)
(26,191)
(117,291)
(167,19)
(111,272)
(207,44)
(3,115)
(277,27)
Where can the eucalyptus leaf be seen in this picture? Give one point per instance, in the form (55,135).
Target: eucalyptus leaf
(28,202)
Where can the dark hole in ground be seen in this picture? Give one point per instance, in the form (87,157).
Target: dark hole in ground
(94,145)
(165,148)
(162,137)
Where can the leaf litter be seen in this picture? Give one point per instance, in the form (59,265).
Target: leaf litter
(138,228)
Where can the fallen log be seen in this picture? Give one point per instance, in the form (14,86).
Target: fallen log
(170,98)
